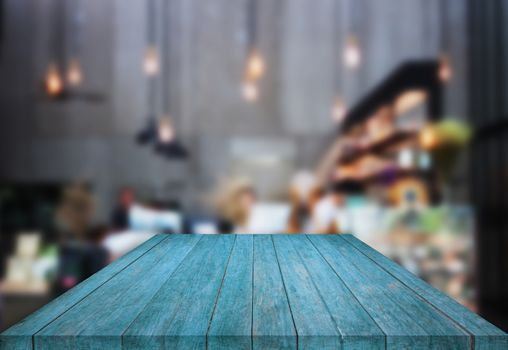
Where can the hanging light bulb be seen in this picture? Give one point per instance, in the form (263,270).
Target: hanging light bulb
(151,61)
(165,131)
(255,65)
(74,74)
(352,55)
(250,90)
(445,69)
(53,82)
(339,110)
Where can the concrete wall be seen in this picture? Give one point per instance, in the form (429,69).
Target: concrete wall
(301,41)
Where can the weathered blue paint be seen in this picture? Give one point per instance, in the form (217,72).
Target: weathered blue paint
(253,292)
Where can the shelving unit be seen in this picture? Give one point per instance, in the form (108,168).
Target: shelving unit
(386,121)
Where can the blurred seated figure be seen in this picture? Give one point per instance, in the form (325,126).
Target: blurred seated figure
(75,212)
(325,211)
(120,215)
(303,194)
(78,260)
(233,203)
(331,214)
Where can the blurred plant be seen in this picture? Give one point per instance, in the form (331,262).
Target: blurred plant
(446,141)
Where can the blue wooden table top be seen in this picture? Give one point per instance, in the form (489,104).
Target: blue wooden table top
(262,292)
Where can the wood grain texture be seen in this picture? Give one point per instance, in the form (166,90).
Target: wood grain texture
(358,329)
(486,335)
(407,320)
(98,320)
(315,327)
(231,325)
(20,335)
(253,292)
(179,314)
(273,326)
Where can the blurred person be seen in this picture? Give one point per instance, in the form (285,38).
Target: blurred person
(234,202)
(79,260)
(75,212)
(331,214)
(120,216)
(326,209)
(246,200)
(303,195)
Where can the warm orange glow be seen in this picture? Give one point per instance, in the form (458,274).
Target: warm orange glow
(445,69)
(53,82)
(352,55)
(409,100)
(428,138)
(255,66)
(339,110)
(250,91)
(151,61)
(166,132)
(74,74)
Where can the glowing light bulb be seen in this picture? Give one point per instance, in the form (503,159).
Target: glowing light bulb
(255,66)
(428,138)
(74,74)
(166,132)
(250,91)
(445,72)
(53,82)
(339,110)
(352,55)
(151,61)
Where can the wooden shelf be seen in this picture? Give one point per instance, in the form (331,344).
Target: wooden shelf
(379,146)
(412,75)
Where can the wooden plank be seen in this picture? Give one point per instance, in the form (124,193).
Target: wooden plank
(272,322)
(20,335)
(486,335)
(315,327)
(179,314)
(98,320)
(358,329)
(406,319)
(231,324)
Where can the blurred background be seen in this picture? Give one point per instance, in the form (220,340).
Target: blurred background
(385,119)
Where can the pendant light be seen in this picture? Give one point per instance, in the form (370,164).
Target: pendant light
(445,70)
(250,90)
(167,143)
(254,65)
(53,82)
(352,54)
(74,72)
(338,110)
(151,60)
(149,133)
(166,133)
(63,75)
(159,130)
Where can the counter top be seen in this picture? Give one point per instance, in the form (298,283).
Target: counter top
(253,291)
